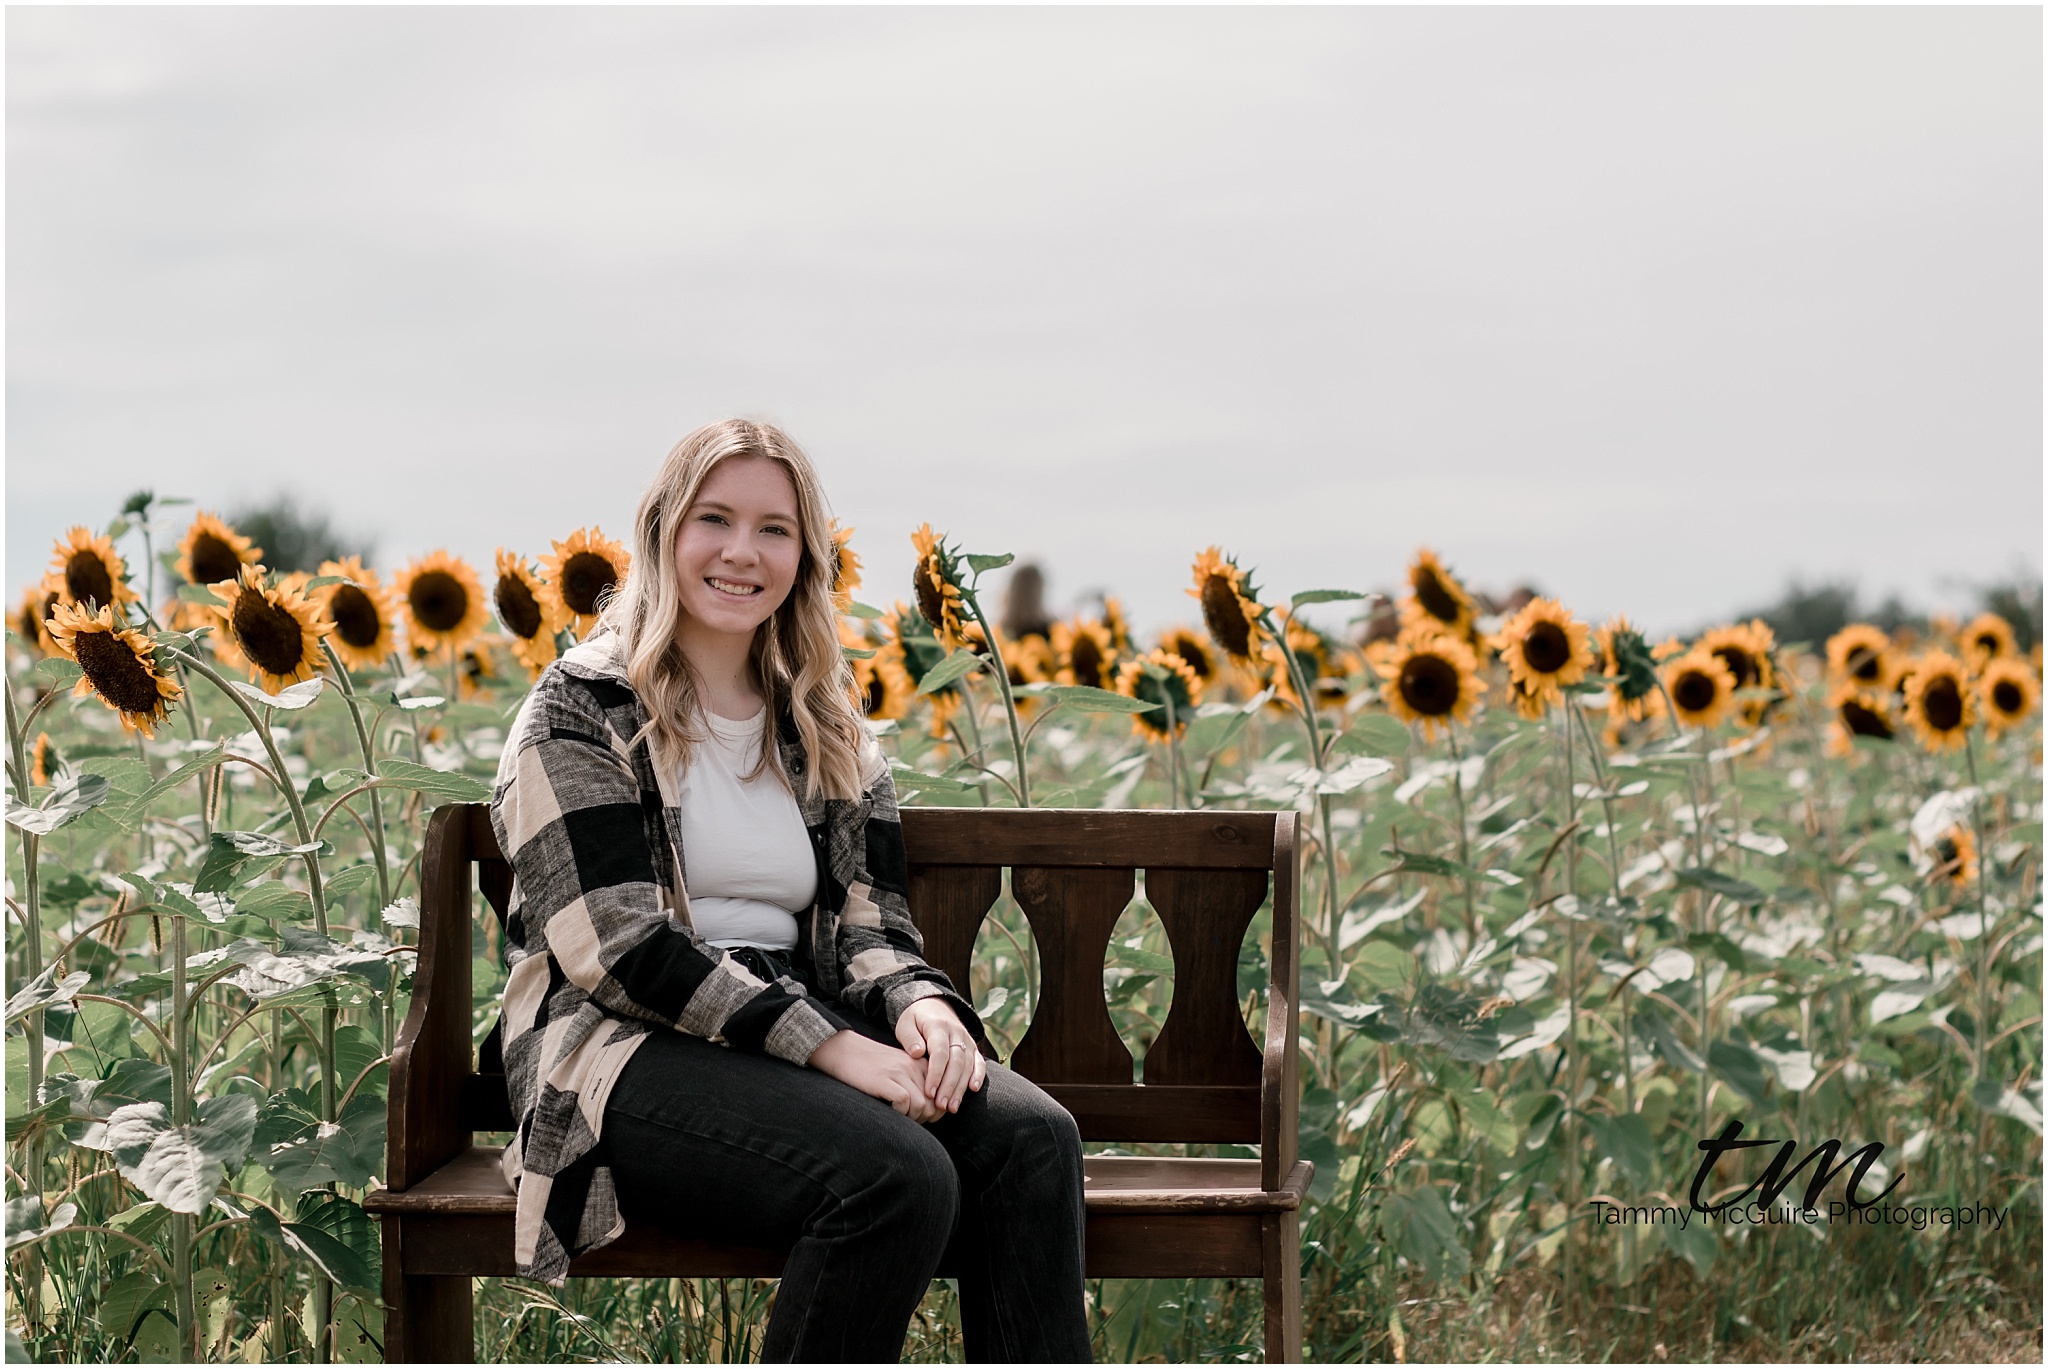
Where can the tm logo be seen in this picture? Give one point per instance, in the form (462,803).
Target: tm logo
(1776,1178)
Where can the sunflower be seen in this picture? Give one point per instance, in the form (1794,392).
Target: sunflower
(1187,644)
(580,572)
(1531,702)
(881,686)
(1954,854)
(1701,686)
(276,629)
(1174,686)
(1858,713)
(1939,701)
(90,571)
(530,615)
(32,619)
(1431,678)
(845,567)
(1988,638)
(1436,599)
(211,552)
(1860,658)
(1230,605)
(936,583)
(1085,654)
(1119,626)
(444,603)
(477,674)
(2009,693)
(43,760)
(1745,648)
(119,664)
(1030,659)
(1545,649)
(362,611)
(1624,659)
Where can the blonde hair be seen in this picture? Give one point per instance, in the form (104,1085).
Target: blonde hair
(796,657)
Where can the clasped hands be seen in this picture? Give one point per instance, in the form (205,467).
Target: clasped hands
(935,1068)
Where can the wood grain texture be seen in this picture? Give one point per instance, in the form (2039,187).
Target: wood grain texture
(427,1319)
(1279,1131)
(1280,1241)
(1162,1112)
(1206,912)
(1203,839)
(1071,1039)
(432,1057)
(948,903)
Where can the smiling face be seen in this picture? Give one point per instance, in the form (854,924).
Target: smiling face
(739,547)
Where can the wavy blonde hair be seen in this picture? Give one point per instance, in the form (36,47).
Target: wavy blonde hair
(796,656)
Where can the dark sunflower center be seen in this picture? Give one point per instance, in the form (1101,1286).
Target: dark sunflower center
(1436,597)
(87,580)
(1945,852)
(120,676)
(1547,648)
(1941,703)
(1864,722)
(1429,685)
(2007,697)
(1225,616)
(267,634)
(1863,664)
(1693,691)
(438,600)
(585,578)
(1988,643)
(518,610)
(1739,664)
(877,694)
(1086,661)
(474,669)
(213,560)
(355,616)
(930,602)
(1190,650)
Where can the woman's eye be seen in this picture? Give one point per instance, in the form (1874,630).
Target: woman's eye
(709,518)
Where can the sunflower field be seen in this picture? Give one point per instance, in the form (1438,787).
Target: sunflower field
(1574,901)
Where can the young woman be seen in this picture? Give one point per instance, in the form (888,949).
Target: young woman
(718,1018)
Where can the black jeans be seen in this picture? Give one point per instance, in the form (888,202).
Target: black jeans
(716,1144)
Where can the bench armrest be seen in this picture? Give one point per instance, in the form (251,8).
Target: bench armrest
(1279,1093)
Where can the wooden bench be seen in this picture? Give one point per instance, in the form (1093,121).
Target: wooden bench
(447,1213)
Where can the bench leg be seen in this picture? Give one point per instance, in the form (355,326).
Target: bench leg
(1282,1261)
(428,1319)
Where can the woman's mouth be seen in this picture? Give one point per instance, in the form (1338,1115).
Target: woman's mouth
(732,587)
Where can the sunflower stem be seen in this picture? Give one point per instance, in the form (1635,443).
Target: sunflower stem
(32,1161)
(1002,672)
(1983,915)
(355,711)
(1307,711)
(1464,842)
(181,1115)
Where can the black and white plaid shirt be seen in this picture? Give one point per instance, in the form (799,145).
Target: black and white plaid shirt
(601,951)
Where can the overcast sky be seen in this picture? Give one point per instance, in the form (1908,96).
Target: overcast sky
(1656,308)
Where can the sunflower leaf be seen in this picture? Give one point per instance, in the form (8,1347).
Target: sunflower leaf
(323,581)
(857,653)
(290,699)
(857,609)
(200,594)
(57,672)
(1324,596)
(133,808)
(1088,699)
(947,671)
(46,991)
(412,705)
(69,800)
(978,564)
(1729,887)
(438,784)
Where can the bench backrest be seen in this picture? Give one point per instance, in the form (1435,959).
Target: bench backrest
(1073,872)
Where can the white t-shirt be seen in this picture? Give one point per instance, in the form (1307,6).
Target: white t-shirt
(748,865)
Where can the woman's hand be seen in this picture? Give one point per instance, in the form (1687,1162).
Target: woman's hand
(931,1031)
(879,1071)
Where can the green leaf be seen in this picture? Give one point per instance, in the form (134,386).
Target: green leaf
(323,581)
(1665,1040)
(131,809)
(69,800)
(290,699)
(980,563)
(857,653)
(1719,946)
(1729,887)
(438,784)
(350,1228)
(1740,1067)
(1625,1139)
(1088,699)
(1211,732)
(45,991)
(181,1167)
(1324,596)
(957,664)
(274,901)
(856,609)
(909,781)
(1422,1231)
(334,782)
(200,594)
(353,878)
(313,1152)
(128,1298)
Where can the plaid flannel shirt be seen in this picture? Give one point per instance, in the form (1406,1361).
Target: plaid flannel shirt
(601,951)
